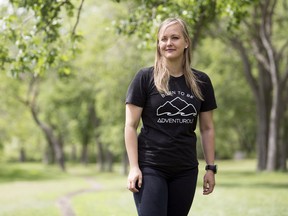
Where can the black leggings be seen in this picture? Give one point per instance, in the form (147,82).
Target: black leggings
(165,195)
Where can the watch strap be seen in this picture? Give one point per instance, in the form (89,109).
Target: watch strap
(212,168)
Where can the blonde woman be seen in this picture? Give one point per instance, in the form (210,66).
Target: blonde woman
(168,98)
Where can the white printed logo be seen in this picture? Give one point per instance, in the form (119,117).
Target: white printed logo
(175,107)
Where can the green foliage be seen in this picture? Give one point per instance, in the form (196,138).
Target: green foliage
(234,12)
(105,70)
(63,102)
(145,17)
(235,116)
(47,15)
(34,38)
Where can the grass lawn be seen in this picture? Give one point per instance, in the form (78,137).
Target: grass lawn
(34,190)
(242,191)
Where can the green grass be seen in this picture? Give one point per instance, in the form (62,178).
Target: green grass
(242,191)
(33,189)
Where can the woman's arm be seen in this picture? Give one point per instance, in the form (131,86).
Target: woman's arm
(133,115)
(208,143)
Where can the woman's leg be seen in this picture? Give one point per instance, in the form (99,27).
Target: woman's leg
(181,193)
(151,200)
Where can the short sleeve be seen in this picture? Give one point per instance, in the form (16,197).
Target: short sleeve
(137,90)
(207,90)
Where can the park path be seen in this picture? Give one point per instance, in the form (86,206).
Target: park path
(64,202)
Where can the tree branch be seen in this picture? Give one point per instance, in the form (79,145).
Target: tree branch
(265,35)
(259,56)
(55,10)
(247,65)
(78,18)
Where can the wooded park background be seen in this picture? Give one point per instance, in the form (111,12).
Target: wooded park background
(66,65)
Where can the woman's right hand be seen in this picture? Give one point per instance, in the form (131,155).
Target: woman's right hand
(134,181)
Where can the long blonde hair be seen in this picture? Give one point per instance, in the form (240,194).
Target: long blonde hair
(161,72)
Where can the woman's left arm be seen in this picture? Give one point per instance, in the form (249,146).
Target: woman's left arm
(207,139)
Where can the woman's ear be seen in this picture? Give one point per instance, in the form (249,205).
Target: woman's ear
(187,45)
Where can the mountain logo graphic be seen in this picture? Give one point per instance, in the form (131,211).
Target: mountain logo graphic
(175,107)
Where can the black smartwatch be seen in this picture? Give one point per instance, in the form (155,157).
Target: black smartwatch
(212,168)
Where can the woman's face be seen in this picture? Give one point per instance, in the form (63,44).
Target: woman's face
(172,42)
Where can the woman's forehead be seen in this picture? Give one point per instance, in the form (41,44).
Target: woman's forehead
(171,28)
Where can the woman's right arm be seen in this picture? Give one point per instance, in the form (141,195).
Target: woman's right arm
(132,119)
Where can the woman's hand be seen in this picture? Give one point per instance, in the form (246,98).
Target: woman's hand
(209,182)
(134,182)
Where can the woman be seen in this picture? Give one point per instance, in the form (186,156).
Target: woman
(168,98)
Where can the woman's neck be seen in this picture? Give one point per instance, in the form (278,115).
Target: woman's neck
(175,68)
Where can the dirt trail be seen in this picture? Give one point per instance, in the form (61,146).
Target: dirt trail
(64,201)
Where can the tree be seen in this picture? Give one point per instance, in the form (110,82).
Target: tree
(262,46)
(32,42)
(235,117)
(16,124)
(79,104)
(106,69)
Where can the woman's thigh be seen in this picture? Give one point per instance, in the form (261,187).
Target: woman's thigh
(181,193)
(151,200)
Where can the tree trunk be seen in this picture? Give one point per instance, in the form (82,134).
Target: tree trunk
(261,139)
(22,155)
(84,153)
(125,163)
(100,149)
(270,85)
(259,90)
(88,131)
(53,140)
(283,138)
(58,148)
(48,154)
(109,160)
(100,156)
(273,134)
(265,33)
(56,143)
(74,153)
(263,106)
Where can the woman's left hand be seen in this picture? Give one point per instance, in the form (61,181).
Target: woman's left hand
(209,182)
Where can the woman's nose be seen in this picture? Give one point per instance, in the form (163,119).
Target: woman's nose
(169,42)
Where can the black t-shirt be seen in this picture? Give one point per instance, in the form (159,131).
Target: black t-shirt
(167,140)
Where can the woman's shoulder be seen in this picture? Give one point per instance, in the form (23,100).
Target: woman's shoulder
(146,71)
(202,76)
(145,74)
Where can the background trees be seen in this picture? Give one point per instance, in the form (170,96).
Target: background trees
(262,46)
(58,104)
